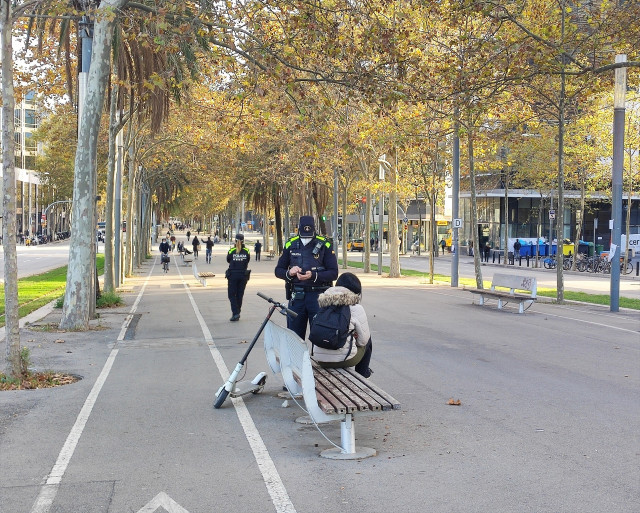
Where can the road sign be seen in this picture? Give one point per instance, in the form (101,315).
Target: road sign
(457,223)
(405,220)
(552,214)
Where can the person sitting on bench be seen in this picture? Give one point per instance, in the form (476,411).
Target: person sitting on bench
(347,291)
(183,249)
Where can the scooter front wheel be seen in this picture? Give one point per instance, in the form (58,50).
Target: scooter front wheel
(221,398)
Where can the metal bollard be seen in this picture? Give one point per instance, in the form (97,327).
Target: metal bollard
(494,258)
(527,260)
(637,268)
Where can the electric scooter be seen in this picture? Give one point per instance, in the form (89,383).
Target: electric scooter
(255,386)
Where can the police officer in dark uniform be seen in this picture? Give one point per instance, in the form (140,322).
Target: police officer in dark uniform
(308,265)
(237,275)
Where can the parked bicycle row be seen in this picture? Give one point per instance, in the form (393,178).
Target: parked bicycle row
(591,264)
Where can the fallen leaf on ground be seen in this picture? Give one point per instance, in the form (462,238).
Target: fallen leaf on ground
(454,402)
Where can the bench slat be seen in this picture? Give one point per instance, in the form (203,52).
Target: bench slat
(351,403)
(366,401)
(330,403)
(385,401)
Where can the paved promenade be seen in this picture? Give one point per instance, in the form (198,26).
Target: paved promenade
(549,419)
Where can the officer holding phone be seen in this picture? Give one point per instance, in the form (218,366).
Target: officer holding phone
(308,265)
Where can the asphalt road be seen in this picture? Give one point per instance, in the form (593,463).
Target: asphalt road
(549,419)
(39,259)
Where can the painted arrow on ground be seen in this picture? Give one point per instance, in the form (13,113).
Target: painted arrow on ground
(164,501)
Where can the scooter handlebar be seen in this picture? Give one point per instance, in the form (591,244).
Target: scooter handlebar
(282,307)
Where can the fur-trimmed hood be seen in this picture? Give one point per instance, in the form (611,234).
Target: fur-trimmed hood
(338,296)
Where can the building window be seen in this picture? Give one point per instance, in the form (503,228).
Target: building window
(29,142)
(30,119)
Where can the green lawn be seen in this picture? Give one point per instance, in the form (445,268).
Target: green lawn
(598,299)
(40,289)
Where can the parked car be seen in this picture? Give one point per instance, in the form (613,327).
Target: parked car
(355,245)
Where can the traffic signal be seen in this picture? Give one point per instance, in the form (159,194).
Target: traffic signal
(324,218)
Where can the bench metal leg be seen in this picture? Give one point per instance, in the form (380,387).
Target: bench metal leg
(348,443)
(499,304)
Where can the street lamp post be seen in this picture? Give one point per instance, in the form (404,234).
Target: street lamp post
(619,93)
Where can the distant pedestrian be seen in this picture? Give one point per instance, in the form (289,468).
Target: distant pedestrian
(487,251)
(195,243)
(443,244)
(188,235)
(209,248)
(257,248)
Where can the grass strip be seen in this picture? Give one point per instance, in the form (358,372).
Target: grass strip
(583,297)
(38,290)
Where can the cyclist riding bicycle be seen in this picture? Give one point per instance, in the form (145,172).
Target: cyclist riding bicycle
(164,252)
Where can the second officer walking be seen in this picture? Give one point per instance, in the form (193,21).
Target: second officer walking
(237,275)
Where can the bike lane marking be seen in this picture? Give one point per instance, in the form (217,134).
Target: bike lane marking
(51,485)
(270,475)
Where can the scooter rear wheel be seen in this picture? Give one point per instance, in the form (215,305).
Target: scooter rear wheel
(261,384)
(221,398)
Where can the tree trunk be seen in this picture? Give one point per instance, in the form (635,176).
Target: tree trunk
(367,233)
(560,215)
(344,226)
(392,234)
(12,319)
(77,300)
(474,208)
(131,209)
(109,260)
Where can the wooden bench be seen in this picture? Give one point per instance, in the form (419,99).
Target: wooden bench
(518,287)
(328,394)
(271,254)
(201,277)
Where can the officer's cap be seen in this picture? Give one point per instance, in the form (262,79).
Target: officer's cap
(307,227)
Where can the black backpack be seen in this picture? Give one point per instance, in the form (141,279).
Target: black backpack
(330,327)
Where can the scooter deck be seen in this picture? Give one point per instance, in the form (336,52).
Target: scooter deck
(246,387)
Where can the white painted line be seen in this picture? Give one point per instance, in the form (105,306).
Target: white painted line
(272,481)
(49,490)
(601,324)
(164,501)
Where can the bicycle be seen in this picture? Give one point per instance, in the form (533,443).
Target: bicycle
(165,262)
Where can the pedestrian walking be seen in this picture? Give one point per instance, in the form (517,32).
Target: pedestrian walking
(237,275)
(195,243)
(487,252)
(209,249)
(257,248)
(188,235)
(308,265)
(443,244)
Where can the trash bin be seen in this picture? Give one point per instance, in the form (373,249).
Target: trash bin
(583,248)
(599,248)
(567,249)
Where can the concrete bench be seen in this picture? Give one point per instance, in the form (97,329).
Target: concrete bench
(271,254)
(328,394)
(201,277)
(522,289)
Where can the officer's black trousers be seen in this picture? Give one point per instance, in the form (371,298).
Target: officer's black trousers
(235,289)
